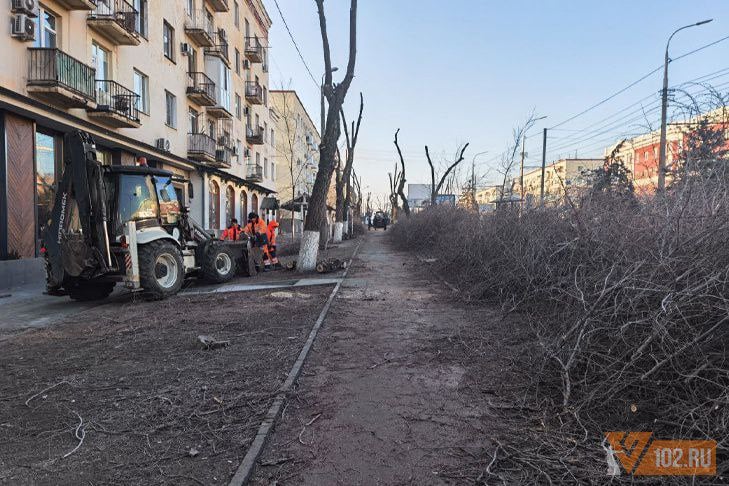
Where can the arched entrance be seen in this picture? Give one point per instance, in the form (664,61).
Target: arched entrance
(229,204)
(254,203)
(243,206)
(214,206)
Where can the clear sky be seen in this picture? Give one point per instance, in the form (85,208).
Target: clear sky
(448,72)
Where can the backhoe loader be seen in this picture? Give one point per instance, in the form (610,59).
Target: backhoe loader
(113,224)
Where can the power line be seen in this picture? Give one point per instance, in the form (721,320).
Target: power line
(291,35)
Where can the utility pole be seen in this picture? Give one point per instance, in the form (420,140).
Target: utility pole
(544,167)
(521,171)
(664,110)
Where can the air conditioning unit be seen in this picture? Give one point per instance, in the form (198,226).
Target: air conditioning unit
(246,64)
(163,144)
(27,7)
(23,28)
(185,49)
(246,111)
(235,151)
(222,34)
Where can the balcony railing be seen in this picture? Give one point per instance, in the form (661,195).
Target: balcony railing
(254,49)
(223,156)
(219,5)
(53,68)
(114,99)
(254,135)
(219,47)
(254,93)
(117,20)
(201,89)
(254,172)
(200,27)
(201,146)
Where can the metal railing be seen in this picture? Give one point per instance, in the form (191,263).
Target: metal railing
(254,90)
(199,20)
(254,171)
(254,48)
(200,83)
(224,155)
(220,46)
(201,143)
(53,67)
(120,11)
(254,134)
(113,97)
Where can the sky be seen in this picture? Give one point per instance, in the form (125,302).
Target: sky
(450,72)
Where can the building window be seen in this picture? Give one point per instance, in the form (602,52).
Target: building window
(171,109)
(46,26)
(237,61)
(243,205)
(141,88)
(214,209)
(141,7)
(265,132)
(229,204)
(265,96)
(238,107)
(265,167)
(192,121)
(168,41)
(236,12)
(254,203)
(239,150)
(47,171)
(273,140)
(190,7)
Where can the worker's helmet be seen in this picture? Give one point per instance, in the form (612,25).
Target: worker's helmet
(252,216)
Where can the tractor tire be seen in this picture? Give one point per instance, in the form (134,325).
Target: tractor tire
(220,264)
(90,291)
(161,270)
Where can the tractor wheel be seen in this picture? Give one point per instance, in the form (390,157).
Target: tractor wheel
(220,264)
(90,291)
(161,270)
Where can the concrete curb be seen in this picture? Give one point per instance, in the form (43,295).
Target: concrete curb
(245,470)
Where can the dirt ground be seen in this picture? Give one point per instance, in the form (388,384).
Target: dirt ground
(152,405)
(400,387)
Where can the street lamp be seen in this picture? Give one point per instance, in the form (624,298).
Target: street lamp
(664,109)
(321,91)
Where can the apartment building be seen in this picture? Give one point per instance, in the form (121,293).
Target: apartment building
(563,177)
(182,83)
(296,158)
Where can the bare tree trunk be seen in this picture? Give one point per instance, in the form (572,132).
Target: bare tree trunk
(335,95)
(401,186)
(435,189)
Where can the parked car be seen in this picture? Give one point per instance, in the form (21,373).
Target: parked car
(379,220)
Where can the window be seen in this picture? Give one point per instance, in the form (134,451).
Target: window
(239,150)
(236,12)
(229,203)
(100,60)
(141,23)
(243,204)
(193,125)
(141,88)
(190,6)
(237,61)
(273,171)
(273,141)
(265,96)
(214,203)
(46,26)
(171,109)
(47,170)
(168,41)
(238,107)
(265,167)
(265,132)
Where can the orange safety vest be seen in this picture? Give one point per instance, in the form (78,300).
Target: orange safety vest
(232,233)
(272,232)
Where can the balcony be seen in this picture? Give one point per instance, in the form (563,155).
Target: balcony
(116,20)
(201,29)
(219,5)
(219,48)
(59,79)
(254,173)
(254,93)
(201,147)
(201,89)
(116,105)
(78,4)
(223,157)
(254,136)
(254,49)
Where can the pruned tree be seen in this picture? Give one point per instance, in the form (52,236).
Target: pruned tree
(436,187)
(343,188)
(395,178)
(401,185)
(335,93)
(510,155)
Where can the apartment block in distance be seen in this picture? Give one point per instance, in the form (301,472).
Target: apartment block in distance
(183,83)
(296,157)
(561,178)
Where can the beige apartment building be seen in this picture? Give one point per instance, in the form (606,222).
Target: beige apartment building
(563,177)
(183,83)
(296,156)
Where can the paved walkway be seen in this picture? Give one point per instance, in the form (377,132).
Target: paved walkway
(378,402)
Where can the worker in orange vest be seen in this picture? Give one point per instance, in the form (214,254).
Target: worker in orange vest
(233,231)
(271,259)
(258,232)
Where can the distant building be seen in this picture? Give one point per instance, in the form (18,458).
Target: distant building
(561,178)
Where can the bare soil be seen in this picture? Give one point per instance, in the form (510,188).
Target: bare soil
(152,406)
(405,385)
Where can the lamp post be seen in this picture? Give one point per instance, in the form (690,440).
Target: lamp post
(664,109)
(321,92)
